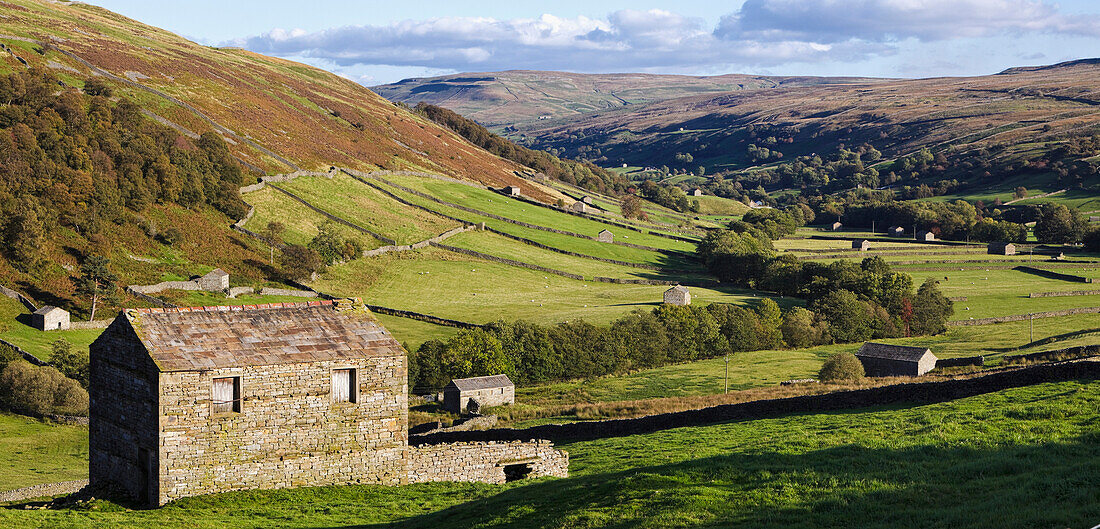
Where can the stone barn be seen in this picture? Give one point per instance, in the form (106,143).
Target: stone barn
(50,318)
(586,199)
(861,244)
(883,360)
(512,191)
(471,395)
(897,231)
(926,236)
(200,400)
(579,207)
(697,192)
(1001,248)
(678,295)
(605,236)
(215,281)
(836,226)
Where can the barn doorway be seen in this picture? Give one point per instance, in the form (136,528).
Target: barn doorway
(145,494)
(516,472)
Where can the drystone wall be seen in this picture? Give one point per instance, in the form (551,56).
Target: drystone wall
(18,297)
(164,285)
(1053,275)
(574,254)
(43,490)
(26,356)
(961,361)
(486,462)
(1068,352)
(510,262)
(1021,317)
(335,218)
(96,324)
(422,244)
(269,291)
(1066,293)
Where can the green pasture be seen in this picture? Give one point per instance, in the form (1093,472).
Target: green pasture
(15,327)
(33,452)
(714,205)
(1005,292)
(411,333)
(301,223)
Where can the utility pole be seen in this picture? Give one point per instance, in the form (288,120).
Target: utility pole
(726,388)
(1031,326)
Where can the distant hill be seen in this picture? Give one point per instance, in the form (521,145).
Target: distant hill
(527,98)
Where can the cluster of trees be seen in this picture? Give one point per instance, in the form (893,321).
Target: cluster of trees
(77,160)
(45,390)
(531,353)
(762,154)
(572,172)
(671,197)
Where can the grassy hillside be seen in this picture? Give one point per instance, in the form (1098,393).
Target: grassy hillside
(1029,456)
(33,452)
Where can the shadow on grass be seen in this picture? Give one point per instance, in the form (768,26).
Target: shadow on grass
(1047,485)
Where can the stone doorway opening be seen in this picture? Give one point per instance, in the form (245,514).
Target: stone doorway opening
(516,472)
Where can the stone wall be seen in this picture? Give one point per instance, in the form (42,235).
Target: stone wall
(269,291)
(1053,275)
(164,285)
(43,490)
(961,361)
(485,462)
(26,356)
(335,218)
(18,297)
(510,262)
(96,324)
(418,245)
(574,254)
(288,433)
(1021,317)
(1065,293)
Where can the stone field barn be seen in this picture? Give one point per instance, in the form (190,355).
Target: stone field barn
(50,318)
(199,400)
(493,390)
(883,360)
(678,295)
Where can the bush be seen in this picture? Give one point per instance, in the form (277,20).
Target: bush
(44,390)
(841,367)
(73,364)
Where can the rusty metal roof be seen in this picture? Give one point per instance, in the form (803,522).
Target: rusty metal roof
(197,338)
(487,382)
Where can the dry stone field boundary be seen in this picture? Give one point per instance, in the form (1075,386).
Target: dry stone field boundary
(917,393)
(334,218)
(43,490)
(510,262)
(26,356)
(1053,275)
(1021,317)
(618,222)
(1061,294)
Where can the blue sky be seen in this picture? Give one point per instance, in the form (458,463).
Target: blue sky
(381,42)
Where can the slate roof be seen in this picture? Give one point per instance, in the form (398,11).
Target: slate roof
(217,272)
(196,338)
(476,383)
(892,352)
(46,309)
(1000,245)
(604,231)
(678,288)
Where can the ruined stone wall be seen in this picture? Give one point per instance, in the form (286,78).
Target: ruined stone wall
(288,433)
(484,461)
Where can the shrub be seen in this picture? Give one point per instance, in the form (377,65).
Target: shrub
(841,367)
(73,364)
(41,390)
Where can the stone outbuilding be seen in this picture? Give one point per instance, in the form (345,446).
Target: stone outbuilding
(926,236)
(897,231)
(586,199)
(678,295)
(605,236)
(836,226)
(697,192)
(884,360)
(1001,248)
(199,400)
(512,191)
(50,318)
(471,395)
(861,244)
(215,281)
(579,207)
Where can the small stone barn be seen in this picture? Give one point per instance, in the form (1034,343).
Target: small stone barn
(697,192)
(678,295)
(897,231)
(50,318)
(586,199)
(605,236)
(836,226)
(861,244)
(579,207)
(464,395)
(512,191)
(1001,248)
(926,236)
(215,281)
(883,360)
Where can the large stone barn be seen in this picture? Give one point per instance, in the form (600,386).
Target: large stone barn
(697,192)
(50,318)
(200,400)
(678,295)
(884,360)
(215,281)
(464,395)
(1001,248)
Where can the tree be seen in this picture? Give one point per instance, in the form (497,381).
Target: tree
(41,390)
(97,282)
(841,367)
(1020,193)
(799,329)
(1057,224)
(849,318)
(475,352)
(73,364)
(26,234)
(632,208)
(299,263)
(931,310)
(95,86)
(272,234)
(770,335)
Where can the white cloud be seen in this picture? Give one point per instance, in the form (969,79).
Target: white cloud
(761,34)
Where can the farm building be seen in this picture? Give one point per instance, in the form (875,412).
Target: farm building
(861,244)
(579,207)
(678,295)
(472,394)
(512,191)
(1001,248)
(883,360)
(195,401)
(697,192)
(586,199)
(926,236)
(50,318)
(836,226)
(897,231)
(605,236)
(216,281)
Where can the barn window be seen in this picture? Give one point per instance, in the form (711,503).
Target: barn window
(227,395)
(343,385)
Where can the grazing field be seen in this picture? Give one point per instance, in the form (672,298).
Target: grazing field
(450,285)
(33,452)
(714,205)
(1003,292)
(15,327)
(1030,457)
(301,223)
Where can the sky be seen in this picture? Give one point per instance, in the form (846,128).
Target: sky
(375,42)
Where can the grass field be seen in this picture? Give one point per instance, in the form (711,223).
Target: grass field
(34,452)
(712,205)
(1025,457)
(15,327)
(301,223)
